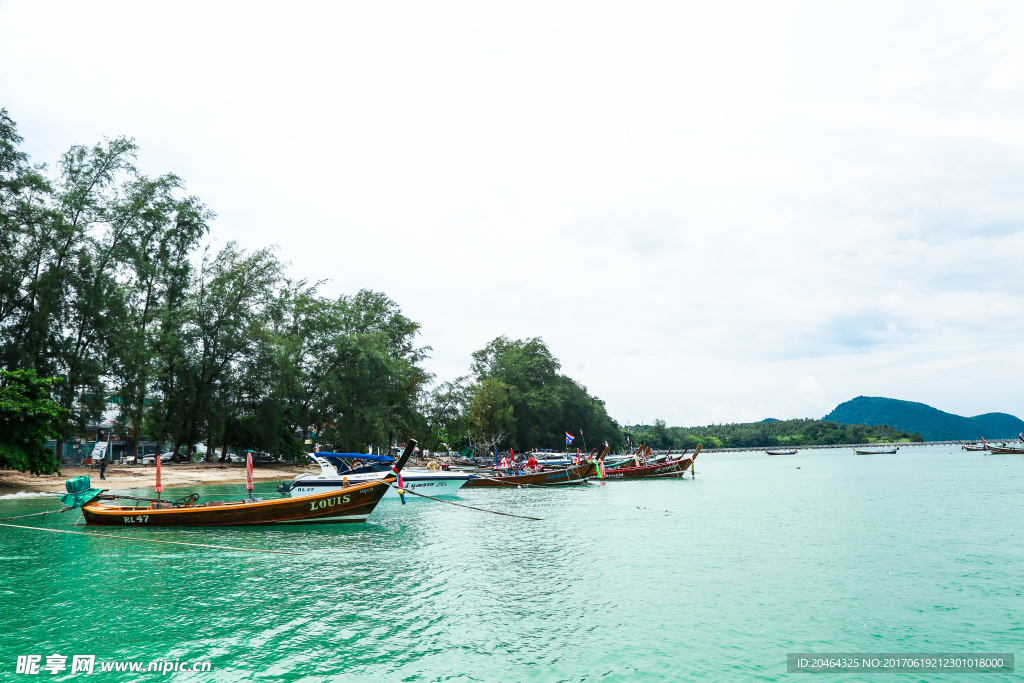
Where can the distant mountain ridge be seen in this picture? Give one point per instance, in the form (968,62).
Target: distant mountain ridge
(931,423)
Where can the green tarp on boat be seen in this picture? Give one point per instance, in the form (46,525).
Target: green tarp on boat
(79,493)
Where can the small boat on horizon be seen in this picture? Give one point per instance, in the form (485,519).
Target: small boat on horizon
(791,451)
(1004,449)
(892,452)
(1007,450)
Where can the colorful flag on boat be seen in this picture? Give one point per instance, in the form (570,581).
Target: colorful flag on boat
(248,471)
(568,438)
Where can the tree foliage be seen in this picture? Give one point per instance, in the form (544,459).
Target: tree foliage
(767,434)
(28,419)
(102,282)
(516,397)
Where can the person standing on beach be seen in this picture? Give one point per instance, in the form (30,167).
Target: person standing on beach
(103,469)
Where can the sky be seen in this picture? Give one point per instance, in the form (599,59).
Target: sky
(710,212)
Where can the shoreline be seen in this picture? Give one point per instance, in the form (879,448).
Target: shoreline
(121,477)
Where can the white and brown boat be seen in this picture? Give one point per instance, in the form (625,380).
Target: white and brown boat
(672,468)
(349,504)
(577,474)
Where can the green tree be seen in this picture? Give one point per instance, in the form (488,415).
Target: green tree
(28,419)
(490,417)
(545,404)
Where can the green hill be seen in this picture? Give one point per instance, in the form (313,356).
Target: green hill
(931,423)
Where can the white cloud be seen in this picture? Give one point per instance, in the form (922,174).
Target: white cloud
(697,205)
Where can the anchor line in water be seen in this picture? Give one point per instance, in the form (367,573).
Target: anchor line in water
(468,507)
(532,486)
(153,540)
(33,514)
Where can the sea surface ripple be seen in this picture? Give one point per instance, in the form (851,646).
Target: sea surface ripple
(711,579)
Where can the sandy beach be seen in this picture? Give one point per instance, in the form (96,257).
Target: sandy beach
(138,476)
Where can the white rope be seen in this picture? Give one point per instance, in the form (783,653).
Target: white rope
(153,540)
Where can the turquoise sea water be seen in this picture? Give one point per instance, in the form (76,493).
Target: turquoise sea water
(713,579)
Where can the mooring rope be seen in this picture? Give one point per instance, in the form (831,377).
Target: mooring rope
(568,482)
(468,507)
(153,540)
(4,519)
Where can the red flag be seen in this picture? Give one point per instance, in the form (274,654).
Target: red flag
(248,471)
(159,487)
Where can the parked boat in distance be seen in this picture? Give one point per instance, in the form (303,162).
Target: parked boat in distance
(791,451)
(1007,450)
(860,452)
(578,474)
(673,468)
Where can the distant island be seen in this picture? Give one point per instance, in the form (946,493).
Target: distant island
(770,433)
(864,419)
(932,423)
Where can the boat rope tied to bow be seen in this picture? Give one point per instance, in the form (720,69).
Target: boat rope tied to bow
(501,480)
(33,514)
(468,507)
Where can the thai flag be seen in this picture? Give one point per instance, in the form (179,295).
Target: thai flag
(568,438)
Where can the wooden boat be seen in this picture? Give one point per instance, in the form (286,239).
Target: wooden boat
(349,504)
(972,447)
(791,451)
(1006,450)
(876,452)
(570,475)
(675,468)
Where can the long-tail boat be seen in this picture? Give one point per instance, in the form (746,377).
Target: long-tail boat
(675,468)
(578,474)
(791,451)
(1006,450)
(890,452)
(349,504)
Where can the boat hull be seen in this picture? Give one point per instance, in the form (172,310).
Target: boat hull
(1006,450)
(572,475)
(430,486)
(676,468)
(352,504)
